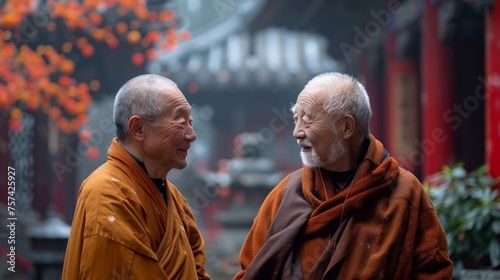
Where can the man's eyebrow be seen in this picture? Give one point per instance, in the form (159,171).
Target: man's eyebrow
(182,110)
(305,111)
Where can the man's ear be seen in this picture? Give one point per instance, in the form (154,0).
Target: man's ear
(349,126)
(136,128)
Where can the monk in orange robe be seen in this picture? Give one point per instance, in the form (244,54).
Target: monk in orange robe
(351,212)
(130,222)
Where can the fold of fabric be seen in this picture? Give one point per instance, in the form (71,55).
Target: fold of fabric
(302,215)
(327,215)
(123,228)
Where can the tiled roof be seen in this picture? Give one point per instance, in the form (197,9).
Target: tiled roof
(272,56)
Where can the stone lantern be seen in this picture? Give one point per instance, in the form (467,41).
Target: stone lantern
(251,177)
(48,246)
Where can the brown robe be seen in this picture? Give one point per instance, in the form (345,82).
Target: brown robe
(122,228)
(388,229)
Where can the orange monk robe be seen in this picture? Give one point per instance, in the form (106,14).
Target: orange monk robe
(122,228)
(391,228)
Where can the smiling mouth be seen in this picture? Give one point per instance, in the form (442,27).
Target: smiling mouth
(305,148)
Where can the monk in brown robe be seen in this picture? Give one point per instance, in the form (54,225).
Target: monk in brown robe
(351,212)
(130,222)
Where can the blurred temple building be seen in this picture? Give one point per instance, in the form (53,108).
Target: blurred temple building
(431,69)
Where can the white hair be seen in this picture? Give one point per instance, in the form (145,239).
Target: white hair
(139,96)
(346,95)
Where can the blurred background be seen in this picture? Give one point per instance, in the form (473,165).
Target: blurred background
(431,68)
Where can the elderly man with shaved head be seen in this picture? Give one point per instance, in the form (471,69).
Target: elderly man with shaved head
(130,222)
(351,212)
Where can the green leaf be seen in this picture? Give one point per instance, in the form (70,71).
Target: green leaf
(495,226)
(480,171)
(458,173)
(494,250)
(469,211)
(495,213)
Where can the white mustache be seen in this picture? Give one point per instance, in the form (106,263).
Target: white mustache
(304,142)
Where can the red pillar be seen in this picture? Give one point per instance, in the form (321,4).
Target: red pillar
(493,89)
(402,123)
(437,142)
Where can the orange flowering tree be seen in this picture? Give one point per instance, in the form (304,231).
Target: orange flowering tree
(56,56)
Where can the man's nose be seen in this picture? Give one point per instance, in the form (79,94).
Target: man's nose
(190,134)
(298,132)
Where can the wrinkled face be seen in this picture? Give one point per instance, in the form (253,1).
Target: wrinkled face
(167,142)
(320,144)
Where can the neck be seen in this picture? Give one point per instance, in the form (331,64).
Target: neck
(355,153)
(343,175)
(343,164)
(341,179)
(151,170)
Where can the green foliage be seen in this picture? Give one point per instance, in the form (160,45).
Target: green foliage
(469,211)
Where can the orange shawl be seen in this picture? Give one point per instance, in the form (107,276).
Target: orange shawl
(389,229)
(122,228)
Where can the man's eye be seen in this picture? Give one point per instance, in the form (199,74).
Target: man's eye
(181,121)
(307,119)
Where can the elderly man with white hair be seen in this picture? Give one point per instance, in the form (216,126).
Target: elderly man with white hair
(130,222)
(351,212)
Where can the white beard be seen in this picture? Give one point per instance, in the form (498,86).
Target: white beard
(311,159)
